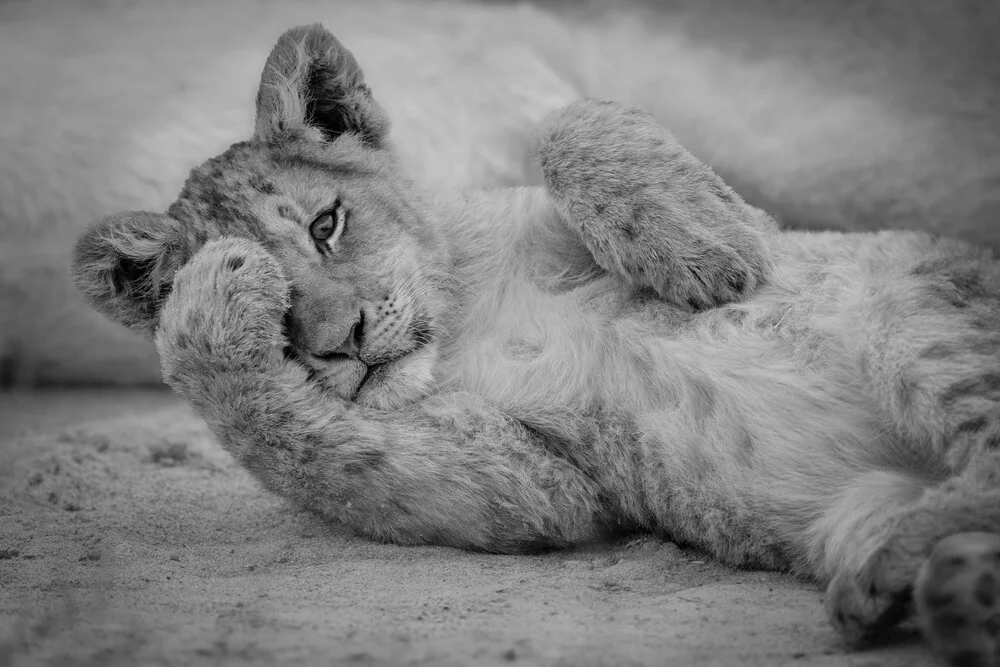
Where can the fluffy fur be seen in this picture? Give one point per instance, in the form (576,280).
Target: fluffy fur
(631,346)
(858,114)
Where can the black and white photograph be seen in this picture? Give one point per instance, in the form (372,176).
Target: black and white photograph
(555,333)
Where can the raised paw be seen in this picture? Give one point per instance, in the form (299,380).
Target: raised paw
(648,210)
(958,599)
(226,309)
(858,609)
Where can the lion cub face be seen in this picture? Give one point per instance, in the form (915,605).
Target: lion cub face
(317,186)
(361,260)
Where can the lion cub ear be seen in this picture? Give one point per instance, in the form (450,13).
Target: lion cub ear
(312,83)
(125,264)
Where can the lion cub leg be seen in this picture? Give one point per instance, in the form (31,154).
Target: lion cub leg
(648,210)
(449,469)
(944,552)
(939,386)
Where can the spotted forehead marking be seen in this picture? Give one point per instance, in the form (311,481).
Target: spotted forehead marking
(289,213)
(220,191)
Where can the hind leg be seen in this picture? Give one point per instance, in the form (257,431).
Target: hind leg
(648,210)
(932,359)
(944,553)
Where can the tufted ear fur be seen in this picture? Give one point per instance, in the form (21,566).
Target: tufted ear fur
(312,84)
(125,264)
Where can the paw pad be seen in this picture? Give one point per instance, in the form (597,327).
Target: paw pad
(957,595)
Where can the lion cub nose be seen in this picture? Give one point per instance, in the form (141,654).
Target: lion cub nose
(324,323)
(352,344)
(349,348)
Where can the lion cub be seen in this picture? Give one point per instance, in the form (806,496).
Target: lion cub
(631,346)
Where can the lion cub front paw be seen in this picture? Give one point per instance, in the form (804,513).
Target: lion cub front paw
(958,599)
(648,210)
(226,307)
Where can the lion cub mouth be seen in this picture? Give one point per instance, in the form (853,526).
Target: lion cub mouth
(372,371)
(344,376)
(381,372)
(351,378)
(384,385)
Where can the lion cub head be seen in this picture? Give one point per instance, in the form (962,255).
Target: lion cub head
(318,187)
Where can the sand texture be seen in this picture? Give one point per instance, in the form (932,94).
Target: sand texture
(127,536)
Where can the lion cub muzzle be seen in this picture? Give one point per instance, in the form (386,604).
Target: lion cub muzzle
(325,325)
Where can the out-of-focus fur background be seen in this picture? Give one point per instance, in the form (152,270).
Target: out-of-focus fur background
(854,114)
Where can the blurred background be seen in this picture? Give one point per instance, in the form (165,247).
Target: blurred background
(854,114)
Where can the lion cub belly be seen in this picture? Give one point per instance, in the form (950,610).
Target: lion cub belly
(605,347)
(715,409)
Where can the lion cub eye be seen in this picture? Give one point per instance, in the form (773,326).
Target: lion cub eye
(327,228)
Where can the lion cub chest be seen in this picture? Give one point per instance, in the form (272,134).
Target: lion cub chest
(523,343)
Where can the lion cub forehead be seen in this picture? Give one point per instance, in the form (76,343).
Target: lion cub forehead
(220,194)
(223,193)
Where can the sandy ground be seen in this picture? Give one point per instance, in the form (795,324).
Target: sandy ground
(127,536)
